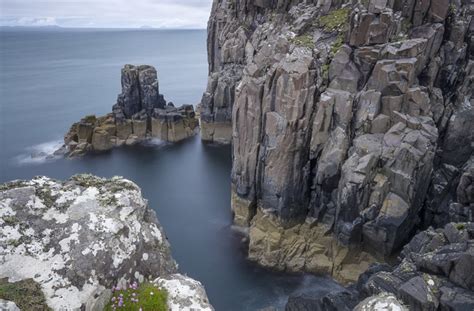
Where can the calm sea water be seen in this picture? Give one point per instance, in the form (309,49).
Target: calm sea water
(51,78)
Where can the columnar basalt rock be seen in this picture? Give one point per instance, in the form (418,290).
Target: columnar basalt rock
(140,113)
(77,239)
(354,117)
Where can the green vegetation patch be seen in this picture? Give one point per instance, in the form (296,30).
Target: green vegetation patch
(336,20)
(10,220)
(12,184)
(303,40)
(88,180)
(337,45)
(146,297)
(90,119)
(26,294)
(460,226)
(46,196)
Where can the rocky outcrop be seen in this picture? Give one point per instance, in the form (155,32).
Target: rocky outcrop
(351,124)
(184,293)
(434,273)
(79,238)
(141,113)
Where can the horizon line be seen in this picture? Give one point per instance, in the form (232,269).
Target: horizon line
(119,28)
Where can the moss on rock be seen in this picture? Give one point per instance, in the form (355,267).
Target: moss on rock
(26,294)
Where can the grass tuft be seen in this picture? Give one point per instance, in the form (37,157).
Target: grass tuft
(26,294)
(303,40)
(336,20)
(460,226)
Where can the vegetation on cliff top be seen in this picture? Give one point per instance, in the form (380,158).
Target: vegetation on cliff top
(143,297)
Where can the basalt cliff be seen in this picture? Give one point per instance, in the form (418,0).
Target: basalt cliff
(352,125)
(140,113)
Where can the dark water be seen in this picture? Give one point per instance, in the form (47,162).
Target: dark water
(50,79)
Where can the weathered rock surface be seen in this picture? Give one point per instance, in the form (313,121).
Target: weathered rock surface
(382,301)
(184,293)
(141,113)
(79,238)
(351,118)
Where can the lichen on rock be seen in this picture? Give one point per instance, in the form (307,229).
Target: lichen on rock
(80,237)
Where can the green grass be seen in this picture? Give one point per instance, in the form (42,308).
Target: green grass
(26,294)
(146,297)
(303,40)
(335,21)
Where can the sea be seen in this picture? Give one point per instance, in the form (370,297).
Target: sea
(50,78)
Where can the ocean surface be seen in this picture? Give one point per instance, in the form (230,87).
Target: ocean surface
(51,78)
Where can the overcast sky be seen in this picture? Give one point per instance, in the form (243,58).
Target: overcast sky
(106,13)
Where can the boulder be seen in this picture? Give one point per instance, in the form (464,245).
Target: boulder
(80,237)
(382,301)
(184,293)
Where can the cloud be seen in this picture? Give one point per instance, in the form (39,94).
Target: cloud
(106,13)
(39,21)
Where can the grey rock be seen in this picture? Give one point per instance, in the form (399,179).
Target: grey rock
(140,90)
(79,238)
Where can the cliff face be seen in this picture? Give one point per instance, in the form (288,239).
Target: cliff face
(352,124)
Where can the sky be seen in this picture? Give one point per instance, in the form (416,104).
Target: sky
(106,13)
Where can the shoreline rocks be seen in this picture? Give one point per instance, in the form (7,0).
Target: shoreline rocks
(141,113)
(78,238)
(349,118)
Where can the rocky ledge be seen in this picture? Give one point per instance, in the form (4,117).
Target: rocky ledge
(140,113)
(69,243)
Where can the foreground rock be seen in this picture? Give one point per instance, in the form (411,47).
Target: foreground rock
(141,113)
(352,124)
(79,238)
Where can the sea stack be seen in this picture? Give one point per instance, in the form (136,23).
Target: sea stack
(140,113)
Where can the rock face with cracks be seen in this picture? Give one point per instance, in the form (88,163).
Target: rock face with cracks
(141,113)
(351,121)
(79,238)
